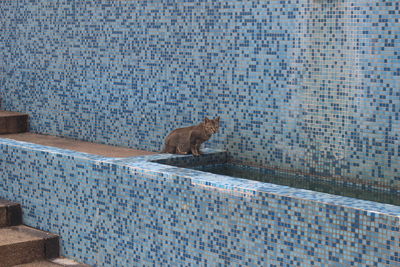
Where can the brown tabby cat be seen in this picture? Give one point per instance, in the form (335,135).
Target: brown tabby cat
(188,139)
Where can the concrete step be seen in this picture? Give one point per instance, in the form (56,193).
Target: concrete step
(39,264)
(22,244)
(13,122)
(10,213)
(58,262)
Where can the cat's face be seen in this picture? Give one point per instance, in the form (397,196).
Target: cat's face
(211,126)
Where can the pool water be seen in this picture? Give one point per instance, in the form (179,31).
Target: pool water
(301,181)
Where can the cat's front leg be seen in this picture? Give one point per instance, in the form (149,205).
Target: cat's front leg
(194,150)
(198,149)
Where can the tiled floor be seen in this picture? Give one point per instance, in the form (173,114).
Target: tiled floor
(81,146)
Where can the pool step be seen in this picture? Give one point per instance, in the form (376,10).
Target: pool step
(21,245)
(13,122)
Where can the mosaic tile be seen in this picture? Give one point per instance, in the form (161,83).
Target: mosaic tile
(302,85)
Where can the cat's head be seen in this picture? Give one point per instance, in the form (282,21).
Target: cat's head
(211,126)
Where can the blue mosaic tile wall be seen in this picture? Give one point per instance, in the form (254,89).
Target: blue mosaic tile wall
(141,213)
(306,85)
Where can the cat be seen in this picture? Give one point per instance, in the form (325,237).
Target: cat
(188,139)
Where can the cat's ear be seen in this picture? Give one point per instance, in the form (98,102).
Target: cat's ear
(217,119)
(206,120)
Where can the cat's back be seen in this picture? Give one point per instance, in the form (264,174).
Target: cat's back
(183,130)
(188,128)
(178,134)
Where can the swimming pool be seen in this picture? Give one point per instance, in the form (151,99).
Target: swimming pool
(302,181)
(140,210)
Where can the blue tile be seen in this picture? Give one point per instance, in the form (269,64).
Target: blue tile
(301,85)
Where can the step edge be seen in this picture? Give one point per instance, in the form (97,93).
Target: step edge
(12,113)
(34,234)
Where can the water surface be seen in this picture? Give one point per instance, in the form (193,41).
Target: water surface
(301,181)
